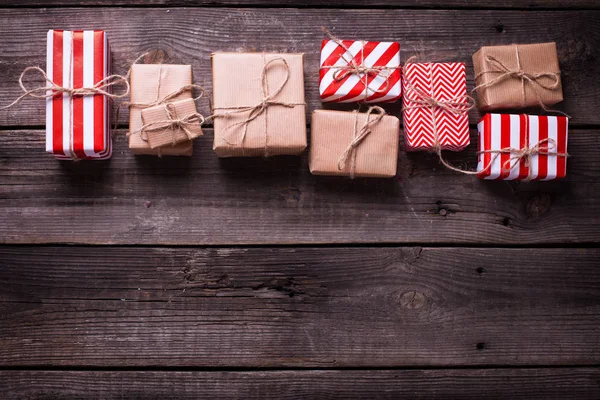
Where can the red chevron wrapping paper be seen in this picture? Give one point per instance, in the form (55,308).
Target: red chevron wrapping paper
(382,86)
(517,132)
(443,82)
(77,127)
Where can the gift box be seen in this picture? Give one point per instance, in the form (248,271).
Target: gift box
(522,147)
(259,107)
(150,83)
(337,149)
(435,106)
(517,76)
(77,127)
(356,70)
(171,123)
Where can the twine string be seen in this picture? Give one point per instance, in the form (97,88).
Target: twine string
(359,136)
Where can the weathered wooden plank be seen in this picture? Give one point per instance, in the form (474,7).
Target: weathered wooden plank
(298,307)
(555,383)
(482,4)
(206,200)
(190,35)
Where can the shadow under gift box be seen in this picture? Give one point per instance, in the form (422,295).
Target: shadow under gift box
(238,90)
(77,127)
(376,156)
(503,138)
(151,83)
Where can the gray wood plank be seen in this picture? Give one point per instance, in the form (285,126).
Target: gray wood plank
(206,200)
(526,384)
(190,35)
(298,307)
(519,4)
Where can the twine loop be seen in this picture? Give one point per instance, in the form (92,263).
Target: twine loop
(359,136)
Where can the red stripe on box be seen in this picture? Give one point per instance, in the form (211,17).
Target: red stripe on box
(524,142)
(77,119)
(487,145)
(561,163)
(57,100)
(98,99)
(504,143)
(542,158)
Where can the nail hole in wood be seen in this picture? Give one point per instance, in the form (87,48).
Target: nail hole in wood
(506,221)
(480,346)
(480,270)
(499,27)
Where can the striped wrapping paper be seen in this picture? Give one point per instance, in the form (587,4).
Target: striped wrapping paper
(443,82)
(77,127)
(352,88)
(506,131)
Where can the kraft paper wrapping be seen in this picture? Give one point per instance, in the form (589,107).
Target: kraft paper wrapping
(152,82)
(332,132)
(237,82)
(534,59)
(171,135)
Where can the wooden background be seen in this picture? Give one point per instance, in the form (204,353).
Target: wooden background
(144,278)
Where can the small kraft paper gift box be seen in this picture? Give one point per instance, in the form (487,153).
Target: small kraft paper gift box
(77,126)
(151,84)
(359,71)
(259,107)
(171,123)
(354,144)
(517,76)
(435,106)
(522,147)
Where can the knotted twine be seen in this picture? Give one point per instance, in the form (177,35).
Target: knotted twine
(173,122)
(535,81)
(254,111)
(359,136)
(358,69)
(51,90)
(462,105)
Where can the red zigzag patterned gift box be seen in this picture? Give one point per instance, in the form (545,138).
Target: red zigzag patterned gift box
(442,82)
(341,79)
(522,147)
(77,127)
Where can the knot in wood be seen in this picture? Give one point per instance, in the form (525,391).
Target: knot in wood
(412,300)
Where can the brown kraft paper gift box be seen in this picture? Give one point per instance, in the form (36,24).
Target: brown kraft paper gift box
(242,128)
(157,119)
(149,83)
(332,132)
(497,68)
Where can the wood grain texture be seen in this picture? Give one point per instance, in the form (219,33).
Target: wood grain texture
(182,35)
(524,384)
(298,307)
(206,200)
(482,4)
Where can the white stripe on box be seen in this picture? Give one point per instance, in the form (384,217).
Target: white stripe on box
(88,101)
(553,147)
(341,61)
(68,83)
(515,143)
(496,145)
(480,130)
(379,80)
(534,134)
(49,69)
(329,47)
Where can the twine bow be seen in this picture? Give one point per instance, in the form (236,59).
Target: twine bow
(359,136)
(358,68)
(254,111)
(537,82)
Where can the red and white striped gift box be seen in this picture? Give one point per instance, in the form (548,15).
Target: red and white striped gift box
(513,133)
(382,86)
(77,127)
(442,82)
